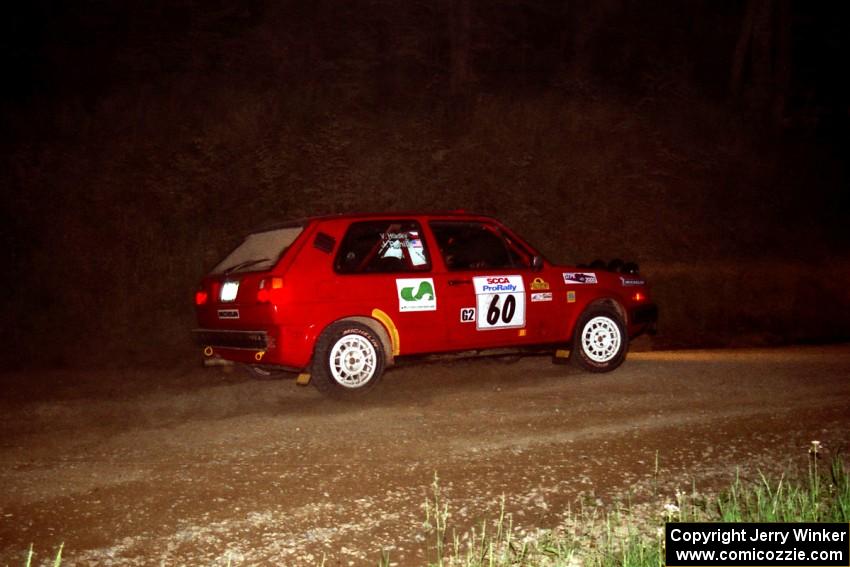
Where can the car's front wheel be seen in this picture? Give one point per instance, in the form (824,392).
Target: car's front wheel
(348,360)
(600,340)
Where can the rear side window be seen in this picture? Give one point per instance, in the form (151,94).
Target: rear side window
(392,246)
(475,245)
(259,251)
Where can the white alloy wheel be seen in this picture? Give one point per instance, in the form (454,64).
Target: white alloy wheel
(353,361)
(600,339)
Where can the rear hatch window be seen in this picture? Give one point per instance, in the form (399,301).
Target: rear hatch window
(259,251)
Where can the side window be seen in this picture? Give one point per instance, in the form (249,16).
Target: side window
(382,247)
(475,245)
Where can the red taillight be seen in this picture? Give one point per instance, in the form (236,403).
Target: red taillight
(201,297)
(268,289)
(638,296)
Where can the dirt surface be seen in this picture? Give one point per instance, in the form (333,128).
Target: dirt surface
(197,466)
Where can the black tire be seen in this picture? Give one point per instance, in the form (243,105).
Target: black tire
(258,372)
(338,378)
(600,340)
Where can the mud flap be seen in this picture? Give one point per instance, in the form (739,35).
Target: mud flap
(561,356)
(303,379)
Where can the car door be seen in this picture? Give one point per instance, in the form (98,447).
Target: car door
(383,271)
(486,285)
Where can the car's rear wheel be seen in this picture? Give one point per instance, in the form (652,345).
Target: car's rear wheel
(600,340)
(348,360)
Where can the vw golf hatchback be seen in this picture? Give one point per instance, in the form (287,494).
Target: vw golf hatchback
(339,298)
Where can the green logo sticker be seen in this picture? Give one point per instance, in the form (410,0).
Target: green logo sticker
(425,288)
(416,294)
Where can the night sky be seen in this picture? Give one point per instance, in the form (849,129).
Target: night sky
(142,139)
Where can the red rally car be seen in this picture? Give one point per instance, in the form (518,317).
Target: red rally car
(339,298)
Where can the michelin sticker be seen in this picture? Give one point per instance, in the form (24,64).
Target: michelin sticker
(500,302)
(544,296)
(632,281)
(579,277)
(416,294)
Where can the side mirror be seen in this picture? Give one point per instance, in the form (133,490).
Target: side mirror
(537,263)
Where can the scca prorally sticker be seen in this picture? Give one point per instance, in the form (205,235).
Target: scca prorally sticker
(579,277)
(500,302)
(416,294)
(467,314)
(545,296)
(632,281)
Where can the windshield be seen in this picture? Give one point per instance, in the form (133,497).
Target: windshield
(259,251)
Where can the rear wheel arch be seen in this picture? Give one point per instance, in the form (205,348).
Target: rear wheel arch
(349,358)
(374,325)
(380,331)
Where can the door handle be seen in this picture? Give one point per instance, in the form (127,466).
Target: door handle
(459,282)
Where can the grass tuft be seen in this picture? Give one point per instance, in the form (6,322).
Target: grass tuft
(632,536)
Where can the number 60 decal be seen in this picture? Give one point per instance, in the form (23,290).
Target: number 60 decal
(500,302)
(508,310)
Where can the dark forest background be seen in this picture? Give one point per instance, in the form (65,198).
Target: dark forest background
(706,140)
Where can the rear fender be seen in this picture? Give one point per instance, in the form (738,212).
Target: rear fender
(378,328)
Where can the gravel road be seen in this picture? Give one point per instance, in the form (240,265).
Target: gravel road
(194,466)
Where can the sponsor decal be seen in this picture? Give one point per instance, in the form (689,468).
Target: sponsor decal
(571,297)
(499,302)
(228,313)
(467,314)
(539,283)
(545,296)
(416,294)
(498,284)
(579,277)
(632,281)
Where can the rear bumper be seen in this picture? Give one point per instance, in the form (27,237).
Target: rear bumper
(241,340)
(282,346)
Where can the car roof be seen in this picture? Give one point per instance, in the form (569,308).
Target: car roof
(455,213)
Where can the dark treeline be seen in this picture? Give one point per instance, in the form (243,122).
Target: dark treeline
(777,58)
